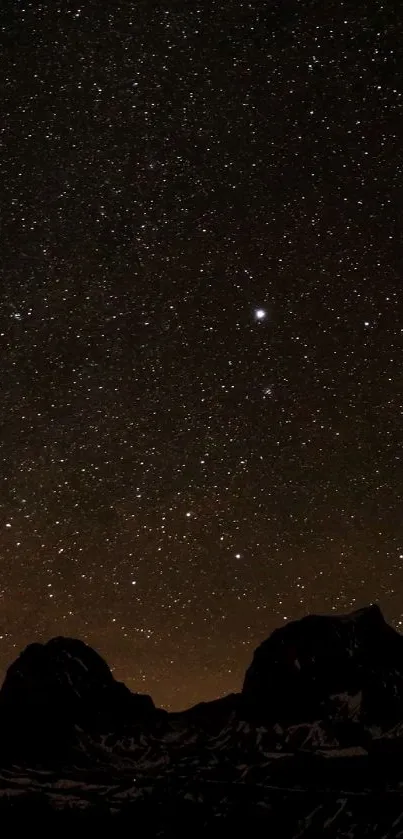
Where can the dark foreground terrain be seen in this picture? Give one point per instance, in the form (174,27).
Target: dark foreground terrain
(312,746)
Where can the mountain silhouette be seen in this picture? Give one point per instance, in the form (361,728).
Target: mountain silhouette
(314,738)
(300,667)
(53,687)
(69,675)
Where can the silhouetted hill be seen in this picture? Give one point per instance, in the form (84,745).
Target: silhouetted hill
(311,746)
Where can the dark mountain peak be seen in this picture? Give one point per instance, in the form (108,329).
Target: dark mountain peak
(62,667)
(67,677)
(371,613)
(301,665)
(319,636)
(365,619)
(61,664)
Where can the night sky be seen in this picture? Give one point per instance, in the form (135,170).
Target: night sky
(200,327)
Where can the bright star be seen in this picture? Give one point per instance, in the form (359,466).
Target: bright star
(260,314)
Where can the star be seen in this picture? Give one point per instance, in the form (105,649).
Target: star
(260,314)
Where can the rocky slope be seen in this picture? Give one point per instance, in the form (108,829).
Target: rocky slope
(313,745)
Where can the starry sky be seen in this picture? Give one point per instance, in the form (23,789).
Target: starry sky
(200,327)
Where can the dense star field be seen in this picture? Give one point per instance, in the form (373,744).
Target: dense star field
(200,328)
